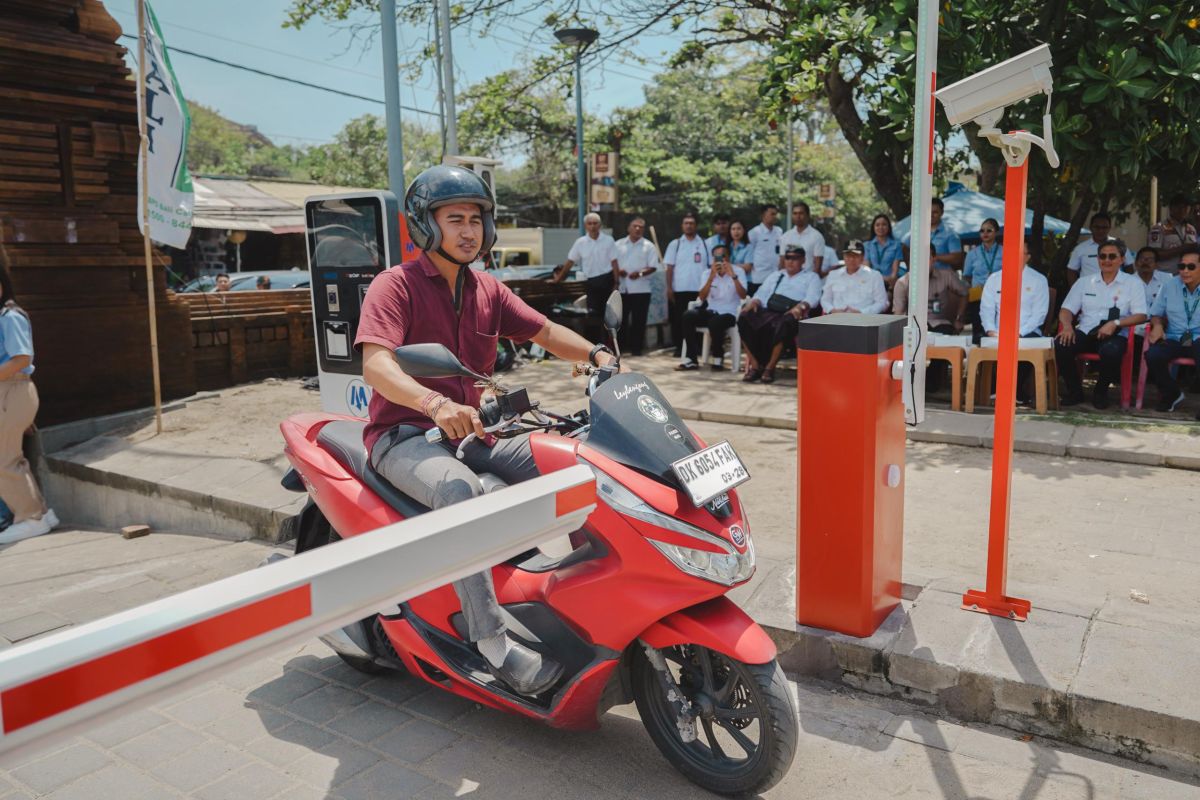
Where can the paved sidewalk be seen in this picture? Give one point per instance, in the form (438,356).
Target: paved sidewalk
(303,726)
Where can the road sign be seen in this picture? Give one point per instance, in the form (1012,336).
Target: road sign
(827,191)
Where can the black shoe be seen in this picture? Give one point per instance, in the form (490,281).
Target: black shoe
(1100,396)
(1167,404)
(687,366)
(718,366)
(1071,399)
(526,671)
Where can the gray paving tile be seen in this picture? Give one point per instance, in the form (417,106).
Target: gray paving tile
(325,703)
(416,741)
(23,627)
(204,708)
(368,721)
(333,764)
(163,742)
(396,688)
(114,783)
(291,685)
(51,772)
(201,765)
(127,727)
(384,780)
(440,705)
(253,782)
(342,672)
(290,743)
(247,724)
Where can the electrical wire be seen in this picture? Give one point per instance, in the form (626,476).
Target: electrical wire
(283,78)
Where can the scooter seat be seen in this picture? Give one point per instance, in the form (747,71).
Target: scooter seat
(343,439)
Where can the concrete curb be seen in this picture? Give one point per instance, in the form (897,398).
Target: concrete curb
(889,663)
(1156,449)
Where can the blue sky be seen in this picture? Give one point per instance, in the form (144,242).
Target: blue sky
(249,32)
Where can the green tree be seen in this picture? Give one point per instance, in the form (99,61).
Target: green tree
(222,147)
(358,154)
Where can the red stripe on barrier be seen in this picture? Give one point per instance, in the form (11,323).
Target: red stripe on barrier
(575,498)
(932,116)
(61,691)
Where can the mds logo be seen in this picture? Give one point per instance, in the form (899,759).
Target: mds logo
(358,397)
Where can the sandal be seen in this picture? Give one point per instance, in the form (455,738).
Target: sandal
(752,376)
(768,376)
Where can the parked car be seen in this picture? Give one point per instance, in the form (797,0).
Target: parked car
(248,281)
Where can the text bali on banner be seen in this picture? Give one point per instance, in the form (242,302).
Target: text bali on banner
(168,125)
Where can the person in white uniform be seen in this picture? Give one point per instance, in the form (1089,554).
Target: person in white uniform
(637,260)
(1105,304)
(764,248)
(722,294)
(596,254)
(854,288)
(807,238)
(1083,263)
(772,317)
(1035,303)
(687,259)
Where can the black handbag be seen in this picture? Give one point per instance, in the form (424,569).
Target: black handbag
(780,303)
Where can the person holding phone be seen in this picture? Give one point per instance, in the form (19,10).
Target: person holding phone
(722,294)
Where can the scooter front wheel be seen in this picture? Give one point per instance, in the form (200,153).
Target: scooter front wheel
(729,727)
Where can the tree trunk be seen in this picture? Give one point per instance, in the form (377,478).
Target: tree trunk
(887,179)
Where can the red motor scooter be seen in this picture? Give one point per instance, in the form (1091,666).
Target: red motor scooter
(634,608)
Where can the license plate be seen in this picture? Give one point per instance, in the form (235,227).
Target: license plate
(710,472)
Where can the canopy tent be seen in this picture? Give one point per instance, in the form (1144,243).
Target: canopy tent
(966,210)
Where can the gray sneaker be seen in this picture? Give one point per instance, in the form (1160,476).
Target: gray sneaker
(29,528)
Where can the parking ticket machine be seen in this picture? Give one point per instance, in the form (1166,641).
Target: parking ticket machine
(351,238)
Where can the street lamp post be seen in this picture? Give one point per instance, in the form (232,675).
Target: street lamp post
(580,38)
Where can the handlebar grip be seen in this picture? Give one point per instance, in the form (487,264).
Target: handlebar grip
(433,435)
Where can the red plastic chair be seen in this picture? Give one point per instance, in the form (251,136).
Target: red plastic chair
(1126,368)
(1141,388)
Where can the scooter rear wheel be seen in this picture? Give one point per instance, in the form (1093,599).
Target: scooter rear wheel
(739,736)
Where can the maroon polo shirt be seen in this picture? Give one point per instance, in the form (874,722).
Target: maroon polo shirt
(413,304)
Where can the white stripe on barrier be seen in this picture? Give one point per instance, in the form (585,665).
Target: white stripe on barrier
(58,685)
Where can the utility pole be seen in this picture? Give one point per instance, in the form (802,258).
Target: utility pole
(448,79)
(579,38)
(391,98)
(791,168)
(437,69)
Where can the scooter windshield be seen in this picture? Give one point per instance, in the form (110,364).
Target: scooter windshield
(633,424)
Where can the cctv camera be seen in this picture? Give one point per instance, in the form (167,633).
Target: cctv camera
(986,94)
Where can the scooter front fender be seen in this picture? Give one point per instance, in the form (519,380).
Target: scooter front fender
(717,624)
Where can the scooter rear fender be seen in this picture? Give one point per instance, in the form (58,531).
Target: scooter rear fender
(717,624)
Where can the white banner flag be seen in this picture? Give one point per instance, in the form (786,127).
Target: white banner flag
(167,128)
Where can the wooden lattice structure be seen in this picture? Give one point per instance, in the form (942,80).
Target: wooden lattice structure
(68,205)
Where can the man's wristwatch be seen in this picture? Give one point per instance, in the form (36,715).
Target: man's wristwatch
(600,348)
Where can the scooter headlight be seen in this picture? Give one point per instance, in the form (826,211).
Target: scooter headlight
(728,567)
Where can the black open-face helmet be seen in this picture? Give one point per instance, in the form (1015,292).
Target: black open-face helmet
(439,186)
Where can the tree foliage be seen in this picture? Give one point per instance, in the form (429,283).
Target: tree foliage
(358,154)
(222,147)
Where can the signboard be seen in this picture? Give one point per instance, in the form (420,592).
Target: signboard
(604,165)
(167,128)
(827,191)
(603,195)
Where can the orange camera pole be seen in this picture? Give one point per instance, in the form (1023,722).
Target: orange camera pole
(993,600)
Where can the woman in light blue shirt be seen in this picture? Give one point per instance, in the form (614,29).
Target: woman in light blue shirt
(884,253)
(741,252)
(18,406)
(981,262)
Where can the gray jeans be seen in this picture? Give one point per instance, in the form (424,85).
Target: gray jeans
(433,476)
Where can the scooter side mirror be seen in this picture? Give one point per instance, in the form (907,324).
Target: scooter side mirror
(613,310)
(431,360)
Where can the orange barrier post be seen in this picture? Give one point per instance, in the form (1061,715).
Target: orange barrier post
(993,599)
(849,471)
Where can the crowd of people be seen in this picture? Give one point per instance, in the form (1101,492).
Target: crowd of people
(764,280)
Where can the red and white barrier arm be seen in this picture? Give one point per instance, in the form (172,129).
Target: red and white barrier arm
(58,685)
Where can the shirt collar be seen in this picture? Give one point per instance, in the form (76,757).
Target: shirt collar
(431,271)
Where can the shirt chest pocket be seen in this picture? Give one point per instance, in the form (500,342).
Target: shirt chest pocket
(478,346)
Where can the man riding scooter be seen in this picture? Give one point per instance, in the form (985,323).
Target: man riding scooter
(438,298)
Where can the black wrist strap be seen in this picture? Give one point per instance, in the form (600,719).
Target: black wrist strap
(600,348)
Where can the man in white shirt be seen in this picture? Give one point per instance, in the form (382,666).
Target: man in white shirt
(722,294)
(764,248)
(596,254)
(1172,238)
(1082,263)
(1035,303)
(854,289)
(807,238)
(637,261)
(687,260)
(1146,268)
(766,326)
(1105,303)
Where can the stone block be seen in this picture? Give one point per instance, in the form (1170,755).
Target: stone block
(1113,444)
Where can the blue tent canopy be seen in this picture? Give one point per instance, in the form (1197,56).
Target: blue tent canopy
(966,211)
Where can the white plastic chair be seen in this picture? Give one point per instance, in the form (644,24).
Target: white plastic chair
(735,343)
